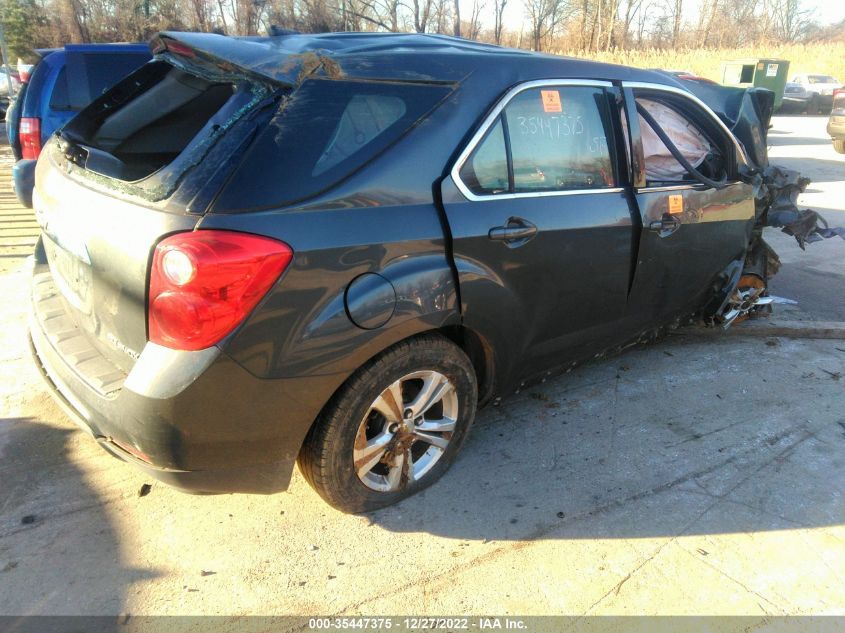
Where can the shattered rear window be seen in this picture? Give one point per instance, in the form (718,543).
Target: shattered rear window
(325,131)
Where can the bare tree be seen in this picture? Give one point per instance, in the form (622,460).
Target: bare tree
(611,13)
(675,9)
(641,24)
(591,25)
(707,18)
(790,21)
(632,7)
(475,20)
(441,16)
(499,10)
(75,10)
(201,10)
(422,14)
(545,15)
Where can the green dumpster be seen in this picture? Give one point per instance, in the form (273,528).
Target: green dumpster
(760,73)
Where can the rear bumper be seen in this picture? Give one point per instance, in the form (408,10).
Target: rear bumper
(195,420)
(23,181)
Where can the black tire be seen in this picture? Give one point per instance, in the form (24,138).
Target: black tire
(326,458)
(839,145)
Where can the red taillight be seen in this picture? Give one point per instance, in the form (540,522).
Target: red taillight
(178,48)
(203,284)
(29,134)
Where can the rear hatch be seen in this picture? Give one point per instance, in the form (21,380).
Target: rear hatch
(140,163)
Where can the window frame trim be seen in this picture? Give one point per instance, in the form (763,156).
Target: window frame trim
(490,120)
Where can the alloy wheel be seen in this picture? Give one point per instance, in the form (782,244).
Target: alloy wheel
(405,431)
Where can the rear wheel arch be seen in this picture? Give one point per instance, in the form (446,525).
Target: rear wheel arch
(474,345)
(480,352)
(325,468)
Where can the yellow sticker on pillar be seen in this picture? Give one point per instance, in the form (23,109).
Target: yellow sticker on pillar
(676,204)
(551,101)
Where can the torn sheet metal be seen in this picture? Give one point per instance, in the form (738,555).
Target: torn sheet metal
(748,112)
(806,225)
(288,60)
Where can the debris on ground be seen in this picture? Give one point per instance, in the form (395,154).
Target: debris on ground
(835,375)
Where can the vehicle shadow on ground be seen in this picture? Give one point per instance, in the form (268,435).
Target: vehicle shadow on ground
(674,439)
(59,550)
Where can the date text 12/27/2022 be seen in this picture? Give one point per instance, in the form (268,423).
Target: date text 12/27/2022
(416,623)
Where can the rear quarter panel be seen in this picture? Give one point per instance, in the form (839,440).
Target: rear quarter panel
(385,219)
(303,327)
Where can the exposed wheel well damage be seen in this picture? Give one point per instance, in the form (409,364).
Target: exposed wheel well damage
(748,113)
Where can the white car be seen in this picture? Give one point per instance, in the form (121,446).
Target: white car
(820,88)
(4,83)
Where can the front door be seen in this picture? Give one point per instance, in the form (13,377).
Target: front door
(541,228)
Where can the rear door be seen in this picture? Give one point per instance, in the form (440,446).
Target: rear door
(694,235)
(541,227)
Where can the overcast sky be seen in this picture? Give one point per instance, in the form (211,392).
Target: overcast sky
(824,11)
(827,11)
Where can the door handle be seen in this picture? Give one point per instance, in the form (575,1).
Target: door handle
(515,233)
(666,225)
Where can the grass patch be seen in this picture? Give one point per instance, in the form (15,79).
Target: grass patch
(825,58)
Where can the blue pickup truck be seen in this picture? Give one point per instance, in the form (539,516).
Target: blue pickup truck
(63,82)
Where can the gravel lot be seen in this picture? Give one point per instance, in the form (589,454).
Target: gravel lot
(702,475)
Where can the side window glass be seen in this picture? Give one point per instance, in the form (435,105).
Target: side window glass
(660,165)
(106,70)
(558,139)
(59,99)
(363,119)
(486,170)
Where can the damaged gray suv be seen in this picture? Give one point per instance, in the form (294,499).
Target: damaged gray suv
(333,249)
